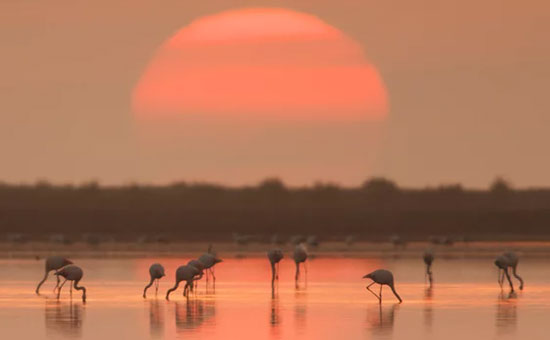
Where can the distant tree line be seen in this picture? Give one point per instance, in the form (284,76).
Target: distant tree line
(375,210)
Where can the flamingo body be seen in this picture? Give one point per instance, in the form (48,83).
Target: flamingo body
(382,277)
(72,273)
(53,263)
(156,271)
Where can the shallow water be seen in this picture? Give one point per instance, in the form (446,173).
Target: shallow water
(465,302)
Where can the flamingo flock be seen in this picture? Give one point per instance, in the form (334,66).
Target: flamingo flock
(195,269)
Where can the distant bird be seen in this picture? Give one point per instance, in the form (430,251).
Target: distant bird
(274,256)
(502,262)
(297,239)
(312,240)
(350,240)
(300,256)
(397,241)
(72,273)
(428,260)
(209,260)
(513,260)
(241,239)
(157,272)
(184,273)
(53,263)
(382,277)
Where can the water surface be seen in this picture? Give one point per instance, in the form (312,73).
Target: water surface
(464,303)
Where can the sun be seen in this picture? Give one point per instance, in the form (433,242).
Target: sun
(260,63)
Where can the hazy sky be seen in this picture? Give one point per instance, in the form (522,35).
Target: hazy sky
(467,83)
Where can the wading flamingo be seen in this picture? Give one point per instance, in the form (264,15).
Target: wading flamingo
(209,260)
(300,256)
(197,264)
(274,256)
(502,262)
(184,273)
(382,277)
(72,273)
(53,263)
(157,272)
(428,260)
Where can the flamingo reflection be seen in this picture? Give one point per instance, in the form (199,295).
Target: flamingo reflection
(192,314)
(156,319)
(428,308)
(506,313)
(64,318)
(300,310)
(381,319)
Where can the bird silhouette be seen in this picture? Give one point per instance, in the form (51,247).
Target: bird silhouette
(513,260)
(502,262)
(72,273)
(156,271)
(200,266)
(428,260)
(184,273)
(53,263)
(382,277)
(300,256)
(274,256)
(209,260)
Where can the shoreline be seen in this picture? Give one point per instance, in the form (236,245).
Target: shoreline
(231,250)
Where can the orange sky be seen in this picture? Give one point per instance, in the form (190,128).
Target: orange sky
(466,84)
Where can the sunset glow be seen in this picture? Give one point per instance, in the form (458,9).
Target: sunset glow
(261,63)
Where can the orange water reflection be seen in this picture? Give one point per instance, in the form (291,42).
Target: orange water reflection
(333,305)
(63,318)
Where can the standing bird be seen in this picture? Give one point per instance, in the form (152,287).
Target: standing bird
(197,264)
(513,260)
(184,273)
(502,262)
(274,256)
(157,272)
(72,273)
(428,260)
(209,260)
(382,277)
(300,255)
(53,263)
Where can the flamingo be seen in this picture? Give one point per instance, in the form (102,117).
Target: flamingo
(300,255)
(513,260)
(382,277)
(72,273)
(53,263)
(209,260)
(502,262)
(157,272)
(184,273)
(200,266)
(274,256)
(428,260)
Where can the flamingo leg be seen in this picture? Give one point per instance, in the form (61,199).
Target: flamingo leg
(157,288)
(277,277)
(57,284)
(380,293)
(59,290)
(373,293)
(517,277)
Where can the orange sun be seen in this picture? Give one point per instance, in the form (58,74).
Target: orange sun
(261,63)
